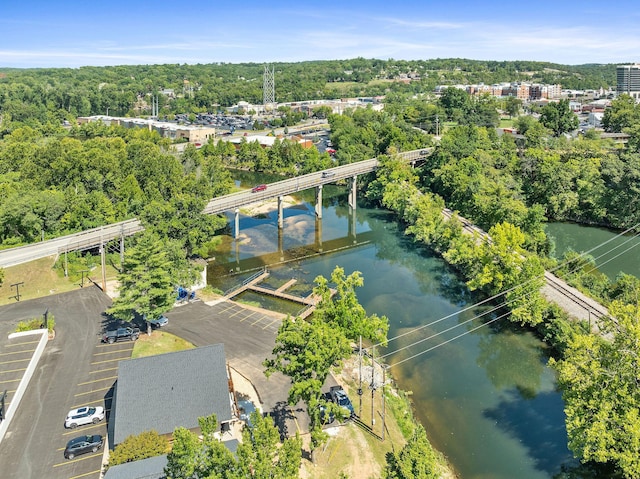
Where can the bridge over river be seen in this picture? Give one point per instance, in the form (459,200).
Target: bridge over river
(97,237)
(555,289)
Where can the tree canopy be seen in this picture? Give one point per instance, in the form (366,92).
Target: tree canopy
(259,456)
(600,381)
(145,283)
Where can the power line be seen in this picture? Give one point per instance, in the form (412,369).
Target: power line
(457,325)
(504,303)
(450,340)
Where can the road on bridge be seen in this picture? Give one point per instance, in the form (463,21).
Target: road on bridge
(97,236)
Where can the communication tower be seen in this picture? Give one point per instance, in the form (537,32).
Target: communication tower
(269,87)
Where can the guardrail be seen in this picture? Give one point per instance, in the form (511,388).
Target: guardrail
(245,282)
(92,238)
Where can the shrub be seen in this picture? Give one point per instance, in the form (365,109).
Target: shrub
(36,323)
(30,325)
(144,445)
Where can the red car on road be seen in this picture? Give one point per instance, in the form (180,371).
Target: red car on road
(258,188)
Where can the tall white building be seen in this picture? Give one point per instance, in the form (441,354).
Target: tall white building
(628,80)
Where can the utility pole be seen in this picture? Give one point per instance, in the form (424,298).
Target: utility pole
(360,385)
(17,286)
(82,280)
(384,402)
(373,383)
(437,126)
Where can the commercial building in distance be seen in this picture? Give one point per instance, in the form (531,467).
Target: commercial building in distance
(628,80)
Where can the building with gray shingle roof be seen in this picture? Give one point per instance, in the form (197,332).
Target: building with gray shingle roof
(151,468)
(170,390)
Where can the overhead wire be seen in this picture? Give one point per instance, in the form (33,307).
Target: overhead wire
(501,305)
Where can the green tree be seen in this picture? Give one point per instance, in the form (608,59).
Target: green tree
(183,460)
(260,455)
(455,102)
(416,460)
(305,351)
(513,105)
(141,446)
(146,286)
(622,114)
(599,379)
(559,118)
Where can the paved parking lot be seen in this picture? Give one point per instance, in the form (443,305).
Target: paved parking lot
(77,370)
(71,373)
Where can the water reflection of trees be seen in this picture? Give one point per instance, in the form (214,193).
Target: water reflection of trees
(511,358)
(538,424)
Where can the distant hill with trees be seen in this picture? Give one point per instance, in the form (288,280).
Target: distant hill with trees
(56,94)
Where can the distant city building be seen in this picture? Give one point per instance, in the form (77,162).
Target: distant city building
(520,90)
(174,131)
(628,80)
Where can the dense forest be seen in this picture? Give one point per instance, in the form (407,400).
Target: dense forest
(55,94)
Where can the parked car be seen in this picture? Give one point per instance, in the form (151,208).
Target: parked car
(328,174)
(84,415)
(121,334)
(82,445)
(159,322)
(258,188)
(340,397)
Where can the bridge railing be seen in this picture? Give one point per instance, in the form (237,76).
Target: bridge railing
(97,236)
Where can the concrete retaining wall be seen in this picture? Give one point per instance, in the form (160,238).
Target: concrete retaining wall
(26,377)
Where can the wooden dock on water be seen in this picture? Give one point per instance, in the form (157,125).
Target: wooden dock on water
(252,284)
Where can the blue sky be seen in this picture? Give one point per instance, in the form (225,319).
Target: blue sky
(69,33)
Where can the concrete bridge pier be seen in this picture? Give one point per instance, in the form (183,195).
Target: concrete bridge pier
(280,213)
(318,232)
(237,222)
(319,201)
(353,192)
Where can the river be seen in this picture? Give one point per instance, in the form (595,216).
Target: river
(613,253)
(487,399)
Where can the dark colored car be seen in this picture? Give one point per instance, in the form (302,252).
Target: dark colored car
(82,445)
(340,397)
(159,322)
(121,334)
(258,188)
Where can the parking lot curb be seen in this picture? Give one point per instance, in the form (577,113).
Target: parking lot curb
(26,377)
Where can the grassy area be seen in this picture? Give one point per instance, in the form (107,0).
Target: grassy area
(506,123)
(158,343)
(38,279)
(358,451)
(41,278)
